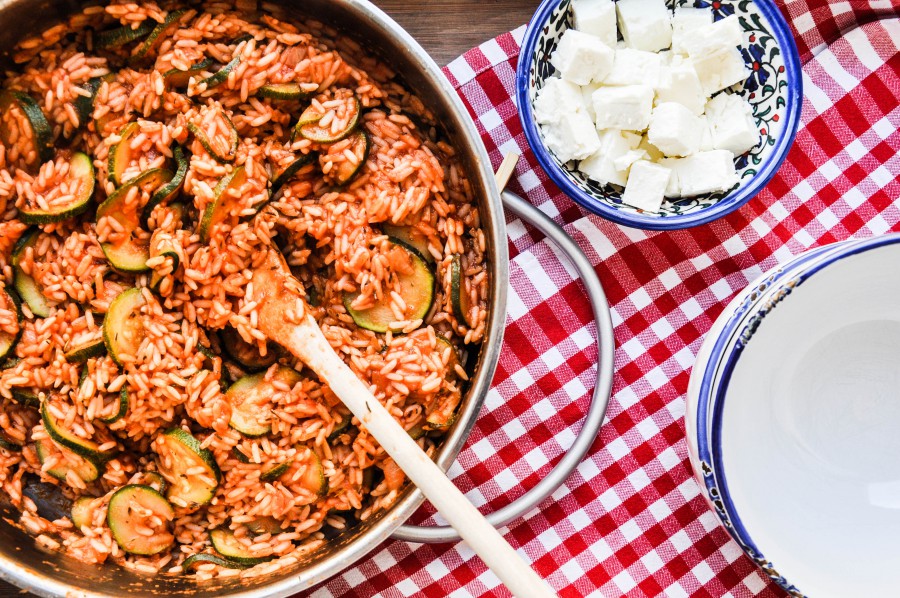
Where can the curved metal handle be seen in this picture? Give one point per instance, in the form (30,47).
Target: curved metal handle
(599,400)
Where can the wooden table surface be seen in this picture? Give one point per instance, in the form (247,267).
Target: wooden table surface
(446,29)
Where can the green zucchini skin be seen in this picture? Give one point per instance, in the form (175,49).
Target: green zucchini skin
(205,557)
(120,514)
(87,449)
(42,133)
(8,342)
(122,327)
(113,38)
(183,453)
(224,542)
(416,288)
(81,168)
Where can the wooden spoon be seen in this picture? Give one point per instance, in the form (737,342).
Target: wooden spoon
(285,319)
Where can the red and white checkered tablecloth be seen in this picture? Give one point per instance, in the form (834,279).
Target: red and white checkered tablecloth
(631,520)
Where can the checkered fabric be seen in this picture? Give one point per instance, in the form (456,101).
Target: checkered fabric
(631,520)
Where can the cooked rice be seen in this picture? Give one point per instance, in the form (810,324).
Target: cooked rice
(330,236)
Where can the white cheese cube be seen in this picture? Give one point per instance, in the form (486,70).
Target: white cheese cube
(731,123)
(646,187)
(601,167)
(555,98)
(678,82)
(626,107)
(623,162)
(720,70)
(571,137)
(673,189)
(645,24)
(596,17)
(675,130)
(634,67)
(704,172)
(684,22)
(586,92)
(653,153)
(706,139)
(725,34)
(582,58)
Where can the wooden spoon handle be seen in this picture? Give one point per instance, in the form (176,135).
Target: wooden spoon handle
(308,343)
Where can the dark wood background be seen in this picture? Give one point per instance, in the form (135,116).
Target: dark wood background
(446,29)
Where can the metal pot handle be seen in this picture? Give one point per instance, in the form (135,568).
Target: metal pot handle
(599,400)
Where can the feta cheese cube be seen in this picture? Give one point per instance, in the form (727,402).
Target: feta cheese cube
(678,82)
(634,67)
(555,98)
(675,130)
(653,153)
(586,92)
(673,190)
(704,172)
(582,58)
(596,17)
(601,166)
(626,107)
(571,137)
(706,138)
(731,123)
(720,70)
(725,34)
(684,22)
(646,187)
(645,24)
(623,162)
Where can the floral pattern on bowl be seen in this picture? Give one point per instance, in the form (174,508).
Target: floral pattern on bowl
(773,89)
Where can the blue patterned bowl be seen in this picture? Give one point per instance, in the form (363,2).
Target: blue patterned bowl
(774,89)
(792,420)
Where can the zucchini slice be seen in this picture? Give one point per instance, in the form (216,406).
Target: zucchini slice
(410,237)
(120,155)
(10,300)
(459,293)
(10,444)
(81,171)
(87,449)
(247,354)
(340,426)
(224,542)
(308,126)
(42,134)
(416,289)
(134,508)
(84,105)
(84,351)
(27,399)
(25,285)
(81,512)
(130,255)
(155,481)
(240,456)
(265,525)
(313,477)
(168,191)
(158,35)
(164,248)
(346,171)
(273,473)
(180,453)
(121,408)
(441,345)
(251,401)
(83,468)
(120,36)
(283,91)
(179,79)
(205,557)
(221,207)
(221,76)
(290,171)
(442,412)
(220,153)
(123,330)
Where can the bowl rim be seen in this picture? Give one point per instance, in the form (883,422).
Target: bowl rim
(721,364)
(782,33)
